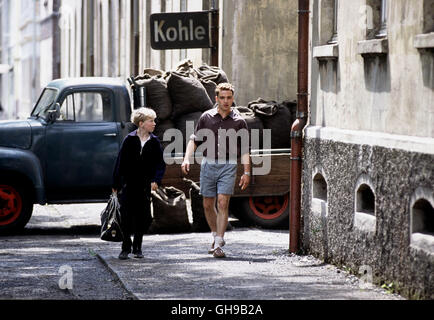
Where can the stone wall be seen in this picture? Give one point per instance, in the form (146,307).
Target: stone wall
(383,241)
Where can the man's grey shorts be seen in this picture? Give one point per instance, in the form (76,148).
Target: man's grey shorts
(217,178)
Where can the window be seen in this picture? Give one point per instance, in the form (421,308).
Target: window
(334,38)
(376,19)
(86,106)
(319,187)
(383,20)
(364,206)
(365,200)
(428,16)
(422,220)
(319,206)
(425,40)
(44,103)
(67,109)
(423,217)
(327,40)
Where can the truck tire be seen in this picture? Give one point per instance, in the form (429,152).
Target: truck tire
(16,206)
(270,212)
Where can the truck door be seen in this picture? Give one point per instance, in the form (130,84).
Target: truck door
(82,146)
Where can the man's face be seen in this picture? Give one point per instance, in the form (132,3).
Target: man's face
(225,100)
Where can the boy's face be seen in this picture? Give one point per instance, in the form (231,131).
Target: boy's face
(147,125)
(224,100)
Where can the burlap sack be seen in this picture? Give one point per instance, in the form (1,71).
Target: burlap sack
(196,201)
(157,95)
(170,211)
(212,73)
(253,122)
(210,87)
(187,94)
(181,124)
(276,117)
(160,128)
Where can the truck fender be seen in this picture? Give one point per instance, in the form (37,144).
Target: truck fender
(26,163)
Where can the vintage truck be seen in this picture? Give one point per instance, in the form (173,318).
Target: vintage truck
(66,150)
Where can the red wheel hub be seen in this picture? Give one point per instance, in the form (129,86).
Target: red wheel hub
(268,207)
(10,204)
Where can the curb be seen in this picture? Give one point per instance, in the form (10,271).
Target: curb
(115,274)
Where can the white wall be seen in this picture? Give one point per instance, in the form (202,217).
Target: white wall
(393,94)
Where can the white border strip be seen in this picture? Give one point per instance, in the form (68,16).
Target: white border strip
(386,140)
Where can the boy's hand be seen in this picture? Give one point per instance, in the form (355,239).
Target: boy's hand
(154,186)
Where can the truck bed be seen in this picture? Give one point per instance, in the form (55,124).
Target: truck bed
(275,183)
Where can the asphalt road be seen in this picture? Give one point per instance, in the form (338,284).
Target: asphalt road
(60,256)
(52,260)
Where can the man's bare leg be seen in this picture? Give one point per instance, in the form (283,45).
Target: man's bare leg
(223,214)
(210,213)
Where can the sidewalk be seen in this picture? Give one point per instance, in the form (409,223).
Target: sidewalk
(257,267)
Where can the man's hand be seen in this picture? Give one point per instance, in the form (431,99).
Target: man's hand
(114,190)
(154,186)
(244,181)
(185,166)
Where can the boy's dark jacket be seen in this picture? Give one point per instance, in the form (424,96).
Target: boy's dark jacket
(137,167)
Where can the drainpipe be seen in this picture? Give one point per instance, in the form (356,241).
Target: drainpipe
(298,125)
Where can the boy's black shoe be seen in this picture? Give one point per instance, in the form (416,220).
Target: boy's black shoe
(138,254)
(123,255)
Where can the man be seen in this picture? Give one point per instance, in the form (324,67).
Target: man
(219,165)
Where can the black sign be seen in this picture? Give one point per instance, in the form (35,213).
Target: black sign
(180,30)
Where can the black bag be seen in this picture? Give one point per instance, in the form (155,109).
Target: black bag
(111,221)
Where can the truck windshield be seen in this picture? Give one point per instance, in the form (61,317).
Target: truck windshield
(45,101)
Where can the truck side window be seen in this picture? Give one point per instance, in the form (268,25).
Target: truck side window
(86,106)
(67,109)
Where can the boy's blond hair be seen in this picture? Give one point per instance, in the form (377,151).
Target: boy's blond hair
(142,114)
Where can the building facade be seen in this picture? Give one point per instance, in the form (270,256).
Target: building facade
(368,175)
(368,161)
(28,53)
(43,40)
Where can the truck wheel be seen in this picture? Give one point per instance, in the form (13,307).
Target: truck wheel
(15,207)
(270,212)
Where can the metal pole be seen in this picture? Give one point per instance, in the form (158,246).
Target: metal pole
(214,34)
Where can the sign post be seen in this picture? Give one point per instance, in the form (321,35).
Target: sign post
(182,30)
(215,37)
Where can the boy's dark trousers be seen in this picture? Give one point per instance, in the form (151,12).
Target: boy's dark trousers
(135,216)
(136,243)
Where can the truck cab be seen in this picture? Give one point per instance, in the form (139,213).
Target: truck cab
(66,150)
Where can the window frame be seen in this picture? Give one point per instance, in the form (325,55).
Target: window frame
(101,91)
